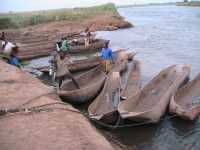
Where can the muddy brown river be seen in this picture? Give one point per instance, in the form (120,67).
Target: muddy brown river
(163,35)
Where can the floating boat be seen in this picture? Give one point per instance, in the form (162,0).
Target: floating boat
(151,102)
(90,83)
(186,102)
(104,107)
(132,82)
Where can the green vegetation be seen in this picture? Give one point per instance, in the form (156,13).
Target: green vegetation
(24,19)
(191,3)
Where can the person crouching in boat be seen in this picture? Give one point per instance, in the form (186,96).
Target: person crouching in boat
(62,62)
(65,45)
(106,58)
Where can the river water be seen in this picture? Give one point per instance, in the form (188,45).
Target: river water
(163,35)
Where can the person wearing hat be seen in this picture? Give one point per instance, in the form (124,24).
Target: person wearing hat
(106,57)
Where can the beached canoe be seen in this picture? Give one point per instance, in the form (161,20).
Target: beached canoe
(186,102)
(90,83)
(95,46)
(104,107)
(77,65)
(38,51)
(84,64)
(151,102)
(131,84)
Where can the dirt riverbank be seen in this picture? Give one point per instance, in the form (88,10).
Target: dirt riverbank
(48,125)
(41,38)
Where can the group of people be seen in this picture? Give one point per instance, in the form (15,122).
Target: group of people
(9,51)
(63,60)
(64,47)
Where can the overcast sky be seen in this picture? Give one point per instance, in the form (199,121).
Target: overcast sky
(27,5)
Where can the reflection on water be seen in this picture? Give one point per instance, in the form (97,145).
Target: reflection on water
(163,35)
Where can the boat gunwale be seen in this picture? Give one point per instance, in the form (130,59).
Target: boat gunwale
(101,77)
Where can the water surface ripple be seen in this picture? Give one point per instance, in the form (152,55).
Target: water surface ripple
(163,35)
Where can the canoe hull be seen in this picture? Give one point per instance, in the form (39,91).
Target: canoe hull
(108,118)
(182,102)
(90,83)
(156,111)
(34,52)
(190,114)
(104,107)
(82,95)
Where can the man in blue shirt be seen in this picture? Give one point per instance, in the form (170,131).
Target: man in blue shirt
(106,57)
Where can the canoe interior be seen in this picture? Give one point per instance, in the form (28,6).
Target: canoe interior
(189,95)
(84,80)
(153,91)
(131,79)
(109,98)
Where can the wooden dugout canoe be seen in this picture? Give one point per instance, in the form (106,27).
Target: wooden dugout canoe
(45,50)
(132,83)
(104,107)
(90,84)
(94,46)
(79,65)
(186,102)
(151,102)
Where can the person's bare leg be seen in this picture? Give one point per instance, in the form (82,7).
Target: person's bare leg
(60,80)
